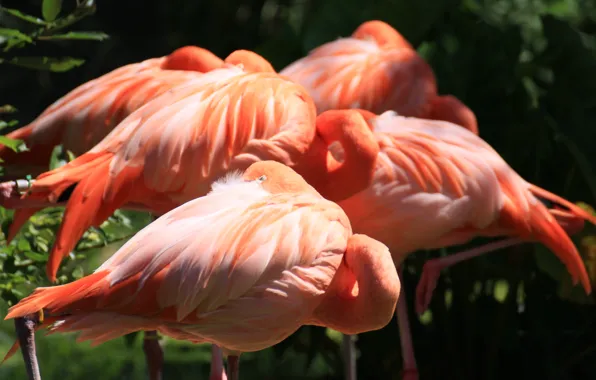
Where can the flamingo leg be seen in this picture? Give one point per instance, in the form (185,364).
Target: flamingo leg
(233,366)
(25,328)
(153,355)
(349,353)
(410,369)
(432,269)
(217,368)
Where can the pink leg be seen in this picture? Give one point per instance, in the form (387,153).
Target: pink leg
(233,367)
(432,269)
(217,369)
(349,353)
(153,355)
(410,369)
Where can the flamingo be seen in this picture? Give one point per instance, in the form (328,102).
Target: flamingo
(437,184)
(170,150)
(242,267)
(83,117)
(378,70)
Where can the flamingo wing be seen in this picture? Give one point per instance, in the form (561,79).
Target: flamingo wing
(239,267)
(88,113)
(189,136)
(354,73)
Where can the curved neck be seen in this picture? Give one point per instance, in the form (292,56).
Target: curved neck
(382,33)
(360,149)
(251,61)
(192,58)
(449,108)
(363,293)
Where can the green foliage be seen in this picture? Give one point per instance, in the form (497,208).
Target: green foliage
(50,9)
(45,63)
(14,144)
(22,262)
(13,38)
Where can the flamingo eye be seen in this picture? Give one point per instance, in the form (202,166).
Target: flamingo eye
(261,178)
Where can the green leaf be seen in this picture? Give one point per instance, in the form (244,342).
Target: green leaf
(46,63)
(50,9)
(4,124)
(16,145)
(13,33)
(58,159)
(22,16)
(95,36)
(35,256)
(78,272)
(23,245)
(7,108)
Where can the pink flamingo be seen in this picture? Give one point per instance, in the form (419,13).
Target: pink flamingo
(376,69)
(242,267)
(436,185)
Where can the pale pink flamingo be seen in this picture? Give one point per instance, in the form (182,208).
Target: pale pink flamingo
(83,117)
(436,185)
(242,268)
(376,69)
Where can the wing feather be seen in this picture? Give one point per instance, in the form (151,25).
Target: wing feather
(196,129)
(353,73)
(108,100)
(218,249)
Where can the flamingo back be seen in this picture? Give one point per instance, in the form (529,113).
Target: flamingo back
(354,73)
(441,171)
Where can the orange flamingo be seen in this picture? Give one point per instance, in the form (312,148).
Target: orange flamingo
(376,69)
(83,117)
(441,185)
(242,267)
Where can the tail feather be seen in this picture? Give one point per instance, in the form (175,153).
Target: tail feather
(573,208)
(95,197)
(94,324)
(541,225)
(55,300)
(86,207)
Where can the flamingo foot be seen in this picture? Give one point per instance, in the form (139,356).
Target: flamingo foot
(25,328)
(217,369)
(410,374)
(233,367)
(153,355)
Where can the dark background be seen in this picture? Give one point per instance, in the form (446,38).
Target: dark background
(527,68)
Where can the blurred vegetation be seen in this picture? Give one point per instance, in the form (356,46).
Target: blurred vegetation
(525,67)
